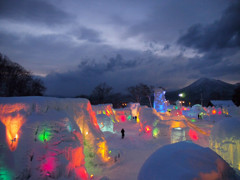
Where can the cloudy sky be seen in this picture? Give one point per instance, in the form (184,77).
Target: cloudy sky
(76,44)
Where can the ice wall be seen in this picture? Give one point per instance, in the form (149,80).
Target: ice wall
(105,123)
(106,109)
(50,137)
(225,140)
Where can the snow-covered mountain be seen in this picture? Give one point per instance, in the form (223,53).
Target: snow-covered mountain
(203,88)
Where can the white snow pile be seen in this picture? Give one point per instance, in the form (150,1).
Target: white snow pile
(225,140)
(185,161)
(54,138)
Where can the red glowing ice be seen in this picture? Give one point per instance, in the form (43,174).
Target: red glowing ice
(193,135)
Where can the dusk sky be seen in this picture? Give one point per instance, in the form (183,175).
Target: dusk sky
(76,44)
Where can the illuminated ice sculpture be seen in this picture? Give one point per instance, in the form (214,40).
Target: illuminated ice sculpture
(160,103)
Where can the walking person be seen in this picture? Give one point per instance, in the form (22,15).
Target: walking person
(123,133)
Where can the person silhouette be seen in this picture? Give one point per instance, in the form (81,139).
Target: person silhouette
(123,131)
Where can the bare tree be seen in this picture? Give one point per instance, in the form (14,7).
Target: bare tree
(135,93)
(141,91)
(16,81)
(146,91)
(101,93)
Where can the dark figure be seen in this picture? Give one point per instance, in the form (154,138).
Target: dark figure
(136,118)
(123,131)
(198,116)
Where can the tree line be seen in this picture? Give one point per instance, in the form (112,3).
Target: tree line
(16,81)
(103,93)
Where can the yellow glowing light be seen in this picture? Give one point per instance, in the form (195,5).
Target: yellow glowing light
(86,133)
(13,125)
(103,150)
(176,124)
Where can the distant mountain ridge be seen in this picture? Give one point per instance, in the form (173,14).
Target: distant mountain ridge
(204,90)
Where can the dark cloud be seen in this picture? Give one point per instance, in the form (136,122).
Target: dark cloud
(167,18)
(119,73)
(121,43)
(223,33)
(88,34)
(32,10)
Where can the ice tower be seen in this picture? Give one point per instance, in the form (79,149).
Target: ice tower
(160,103)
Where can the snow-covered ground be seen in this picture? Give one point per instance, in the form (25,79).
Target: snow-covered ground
(106,154)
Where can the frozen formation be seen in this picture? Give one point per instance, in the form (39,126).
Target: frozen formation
(185,161)
(163,124)
(105,123)
(160,103)
(134,108)
(49,138)
(123,114)
(225,140)
(106,109)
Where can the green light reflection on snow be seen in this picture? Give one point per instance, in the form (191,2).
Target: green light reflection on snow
(45,135)
(5,173)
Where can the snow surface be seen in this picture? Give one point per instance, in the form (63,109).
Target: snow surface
(76,115)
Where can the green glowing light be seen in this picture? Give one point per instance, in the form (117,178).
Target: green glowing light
(129,117)
(44,135)
(110,152)
(176,107)
(5,173)
(193,120)
(156,131)
(104,112)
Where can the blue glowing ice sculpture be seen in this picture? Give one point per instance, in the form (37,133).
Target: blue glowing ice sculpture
(160,103)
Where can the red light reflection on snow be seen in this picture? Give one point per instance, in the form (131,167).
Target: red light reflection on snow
(193,134)
(49,165)
(123,118)
(148,129)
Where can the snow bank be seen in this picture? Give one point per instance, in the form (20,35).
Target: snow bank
(225,140)
(44,137)
(185,161)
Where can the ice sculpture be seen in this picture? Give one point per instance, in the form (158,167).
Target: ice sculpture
(42,137)
(105,123)
(225,140)
(160,103)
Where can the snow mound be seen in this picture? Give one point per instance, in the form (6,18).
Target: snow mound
(185,160)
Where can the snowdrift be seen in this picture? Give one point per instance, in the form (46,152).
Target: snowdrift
(185,161)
